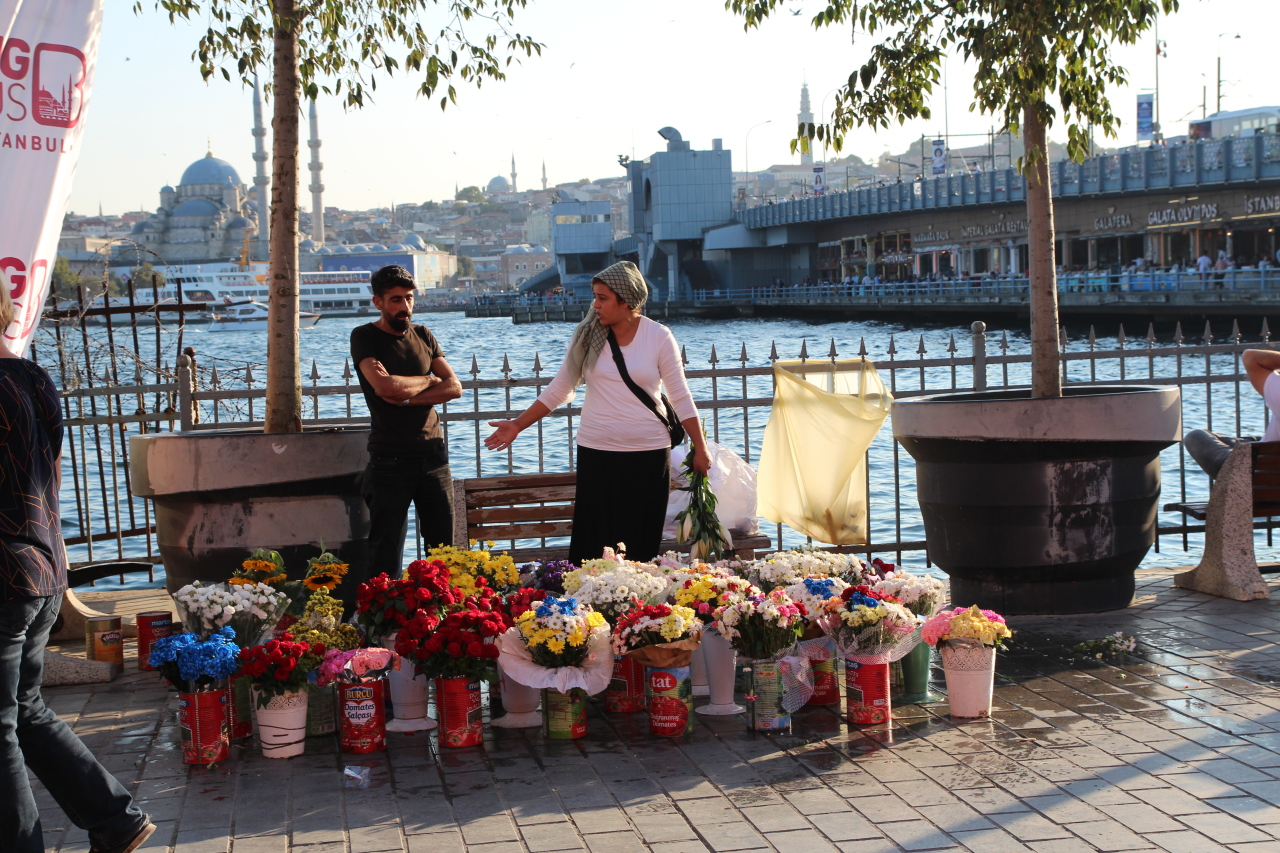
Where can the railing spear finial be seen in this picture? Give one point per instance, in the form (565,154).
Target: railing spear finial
(1266,332)
(1208,334)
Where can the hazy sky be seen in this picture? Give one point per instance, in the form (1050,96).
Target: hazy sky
(611,74)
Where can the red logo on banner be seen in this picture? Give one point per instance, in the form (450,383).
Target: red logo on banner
(59,85)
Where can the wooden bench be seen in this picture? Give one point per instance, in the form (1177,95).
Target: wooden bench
(538,506)
(1247,487)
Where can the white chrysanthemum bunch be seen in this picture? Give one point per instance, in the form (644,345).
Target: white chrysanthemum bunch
(784,568)
(617,590)
(205,608)
(921,594)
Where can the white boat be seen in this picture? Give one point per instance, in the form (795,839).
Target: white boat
(333,293)
(251,316)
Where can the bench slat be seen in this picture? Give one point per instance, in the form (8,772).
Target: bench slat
(1266,494)
(524,530)
(494,515)
(1266,510)
(1266,478)
(528,555)
(511,497)
(519,481)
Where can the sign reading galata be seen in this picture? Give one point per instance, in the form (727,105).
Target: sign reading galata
(1189,213)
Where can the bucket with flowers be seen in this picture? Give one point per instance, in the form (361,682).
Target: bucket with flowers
(662,637)
(278,671)
(519,702)
(968,638)
(457,651)
(197,668)
(321,625)
(560,647)
(360,675)
(764,628)
(705,594)
(871,630)
(922,595)
(820,596)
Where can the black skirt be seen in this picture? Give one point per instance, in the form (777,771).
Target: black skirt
(621,497)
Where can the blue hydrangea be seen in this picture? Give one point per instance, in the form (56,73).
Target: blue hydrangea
(199,660)
(820,587)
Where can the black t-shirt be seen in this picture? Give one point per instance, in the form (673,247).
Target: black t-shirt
(399,430)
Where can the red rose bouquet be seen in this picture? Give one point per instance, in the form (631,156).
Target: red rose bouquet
(458,645)
(522,601)
(385,604)
(280,666)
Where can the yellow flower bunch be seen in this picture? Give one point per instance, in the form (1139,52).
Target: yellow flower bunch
(324,572)
(974,624)
(263,566)
(465,565)
(321,622)
(556,631)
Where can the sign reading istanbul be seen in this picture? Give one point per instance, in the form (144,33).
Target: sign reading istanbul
(1261,204)
(1012,226)
(1189,213)
(47,56)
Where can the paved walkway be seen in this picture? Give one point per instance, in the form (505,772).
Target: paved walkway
(1176,748)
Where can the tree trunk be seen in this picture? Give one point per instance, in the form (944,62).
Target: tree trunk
(284,383)
(1046,379)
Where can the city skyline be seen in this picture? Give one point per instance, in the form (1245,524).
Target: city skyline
(578,106)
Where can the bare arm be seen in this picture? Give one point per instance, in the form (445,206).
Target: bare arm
(505,432)
(445,385)
(1259,364)
(391,388)
(701,457)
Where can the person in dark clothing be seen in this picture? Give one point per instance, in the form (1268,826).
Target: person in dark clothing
(403,374)
(33,576)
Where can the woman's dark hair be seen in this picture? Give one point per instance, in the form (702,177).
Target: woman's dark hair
(389,277)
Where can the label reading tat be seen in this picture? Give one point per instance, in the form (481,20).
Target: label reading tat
(670,702)
(662,682)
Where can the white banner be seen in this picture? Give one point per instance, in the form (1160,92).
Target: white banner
(47,57)
(939,156)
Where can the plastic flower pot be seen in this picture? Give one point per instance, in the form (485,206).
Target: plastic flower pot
(915,677)
(458,709)
(970,668)
(698,673)
(240,706)
(867,693)
(322,709)
(205,726)
(721,663)
(764,702)
(282,724)
(408,700)
(564,715)
(626,693)
(670,699)
(362,715)
(520,703)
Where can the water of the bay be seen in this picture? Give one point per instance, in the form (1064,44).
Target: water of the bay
(483,344)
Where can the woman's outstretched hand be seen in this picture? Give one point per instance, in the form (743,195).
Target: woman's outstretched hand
(504,433)
(702,461)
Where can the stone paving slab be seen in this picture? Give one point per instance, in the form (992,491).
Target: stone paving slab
(1175,748)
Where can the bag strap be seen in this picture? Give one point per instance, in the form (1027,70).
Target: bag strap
(626,377)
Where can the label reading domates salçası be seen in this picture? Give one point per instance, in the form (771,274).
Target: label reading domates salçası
(1190,213)
(1013,226)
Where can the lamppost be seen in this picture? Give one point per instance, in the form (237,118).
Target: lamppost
(822,116)
(1220,35)
(746,156)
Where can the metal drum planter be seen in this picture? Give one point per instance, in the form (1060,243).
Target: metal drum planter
(1042,505)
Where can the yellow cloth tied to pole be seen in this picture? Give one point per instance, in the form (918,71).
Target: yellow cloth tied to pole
(813,462)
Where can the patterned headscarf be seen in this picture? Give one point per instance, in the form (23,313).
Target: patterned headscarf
(625,280)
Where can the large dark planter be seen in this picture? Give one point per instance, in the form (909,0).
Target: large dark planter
(219,494)
(1040,505)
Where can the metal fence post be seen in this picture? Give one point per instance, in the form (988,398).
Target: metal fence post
(979,329)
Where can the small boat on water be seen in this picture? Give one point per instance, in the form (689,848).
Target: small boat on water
(250,316)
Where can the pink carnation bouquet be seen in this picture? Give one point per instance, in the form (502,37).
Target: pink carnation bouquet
(357,665)
(971,624)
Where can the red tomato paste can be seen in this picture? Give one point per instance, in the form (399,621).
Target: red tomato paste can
(626,693)
(670,695)
(151,627)
(458,707)
(564,715)
(826,687)
(867,692)
(202,720)
(363,714)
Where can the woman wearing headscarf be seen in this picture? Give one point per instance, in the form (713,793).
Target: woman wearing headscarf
(623,444)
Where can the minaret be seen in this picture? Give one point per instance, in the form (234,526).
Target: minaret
(513,174)
(544,174)
(261,183)
(805,117)
(317,188)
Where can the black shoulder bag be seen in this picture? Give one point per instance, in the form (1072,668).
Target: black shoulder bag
(675,429)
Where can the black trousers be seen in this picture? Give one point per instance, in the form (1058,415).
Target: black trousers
(391,484)
(621,498)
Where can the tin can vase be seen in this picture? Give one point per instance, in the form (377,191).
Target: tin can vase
(520,703)
(240,705)
(564,715)
(408,700)
(670,700)
(203,723)
(322,709)
(721,663)
(626,692)
(282,724)
(826,673)
(970,669)
(867,693)
(152,626)
(458,709)
(362,716)
(915,677)
(764,701)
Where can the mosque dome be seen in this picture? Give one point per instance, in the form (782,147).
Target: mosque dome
(209,170)
(307,245)
(140,228)
(196,207)
(166,189)
(539,250)
(375,247)
(323,250)
(413,241)
(340,250)
(499,185)
(359,247)
(238,222)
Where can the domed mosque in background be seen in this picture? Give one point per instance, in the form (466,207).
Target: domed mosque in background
(498,185)
(207,218)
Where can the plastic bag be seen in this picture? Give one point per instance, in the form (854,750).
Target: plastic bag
(812,464)
(732,479)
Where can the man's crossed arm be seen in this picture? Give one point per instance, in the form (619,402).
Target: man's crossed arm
(438,386)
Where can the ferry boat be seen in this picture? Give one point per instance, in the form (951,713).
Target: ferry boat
(250,316)
(336,294)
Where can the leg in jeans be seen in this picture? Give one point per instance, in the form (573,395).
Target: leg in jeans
(389,487)
(34,736)
(434,503)
(1210,450)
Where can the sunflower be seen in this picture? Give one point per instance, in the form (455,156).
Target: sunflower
(325,579)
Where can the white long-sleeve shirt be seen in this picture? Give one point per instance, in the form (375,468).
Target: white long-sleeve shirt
(613,418)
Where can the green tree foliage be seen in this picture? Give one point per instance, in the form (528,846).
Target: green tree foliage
(429,206)
(466,267)
(1038,62)
(64,279)
(470,194)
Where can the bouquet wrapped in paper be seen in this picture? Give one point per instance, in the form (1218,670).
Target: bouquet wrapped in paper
(762,625)
(658,635)
(356,666)
(252,609)
(871,627)
(784,568)
(921,594)
(560,643)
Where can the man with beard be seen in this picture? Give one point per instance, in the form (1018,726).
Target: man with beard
(403,374)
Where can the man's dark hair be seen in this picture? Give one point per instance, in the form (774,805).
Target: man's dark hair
(389,277)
